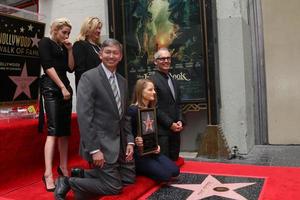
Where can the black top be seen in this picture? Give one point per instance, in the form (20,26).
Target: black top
(56,56)
(133,113)
(85,57)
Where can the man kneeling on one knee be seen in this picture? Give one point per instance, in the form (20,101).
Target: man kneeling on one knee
(106,140)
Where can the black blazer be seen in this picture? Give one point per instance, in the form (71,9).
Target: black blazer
(168,108)
(85,57)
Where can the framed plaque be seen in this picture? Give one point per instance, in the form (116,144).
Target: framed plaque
(147,130)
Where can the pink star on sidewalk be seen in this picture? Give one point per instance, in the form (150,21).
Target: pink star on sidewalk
(23,82)
(212,187)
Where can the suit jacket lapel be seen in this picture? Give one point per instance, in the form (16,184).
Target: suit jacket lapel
(108,89)
(164,83)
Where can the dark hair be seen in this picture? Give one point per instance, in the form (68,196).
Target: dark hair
(111,42)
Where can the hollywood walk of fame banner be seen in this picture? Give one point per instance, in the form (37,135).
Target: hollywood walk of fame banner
(19,64)
(147,124)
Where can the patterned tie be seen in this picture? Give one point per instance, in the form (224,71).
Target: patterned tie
(116,92)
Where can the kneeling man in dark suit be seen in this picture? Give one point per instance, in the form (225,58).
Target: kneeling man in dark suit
(106,140)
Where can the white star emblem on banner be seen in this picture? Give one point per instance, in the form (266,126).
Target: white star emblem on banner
(30,27)
(35,41)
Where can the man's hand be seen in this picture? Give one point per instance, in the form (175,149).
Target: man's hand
(129,152)
(176,127)
(98,159)
(179,123)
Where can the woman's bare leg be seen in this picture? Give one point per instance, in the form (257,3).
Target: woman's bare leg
(49,153)
(63,143)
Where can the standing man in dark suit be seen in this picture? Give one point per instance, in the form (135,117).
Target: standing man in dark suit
(169,115)
(106,140)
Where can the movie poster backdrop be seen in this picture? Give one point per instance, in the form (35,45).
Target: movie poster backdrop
(19,64)
(177,25)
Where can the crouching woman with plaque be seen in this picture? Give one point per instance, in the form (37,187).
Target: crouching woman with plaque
(148,160)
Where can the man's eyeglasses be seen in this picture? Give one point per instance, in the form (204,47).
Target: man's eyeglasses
(164,58)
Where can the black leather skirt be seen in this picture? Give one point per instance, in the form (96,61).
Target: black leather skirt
(58,110)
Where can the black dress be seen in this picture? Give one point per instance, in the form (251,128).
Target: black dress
(85,57)
(58,110)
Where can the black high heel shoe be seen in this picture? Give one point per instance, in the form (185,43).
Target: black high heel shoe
(47,189)
(59,171)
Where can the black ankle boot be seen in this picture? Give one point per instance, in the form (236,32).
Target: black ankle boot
(62,188)
(77,172)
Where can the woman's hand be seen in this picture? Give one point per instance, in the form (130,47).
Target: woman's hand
(68,44)
(139,141)
(157,151)
(66,93)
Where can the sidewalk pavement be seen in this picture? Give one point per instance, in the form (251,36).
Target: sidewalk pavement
(267,155)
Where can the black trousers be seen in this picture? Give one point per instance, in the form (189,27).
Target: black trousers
(170,145)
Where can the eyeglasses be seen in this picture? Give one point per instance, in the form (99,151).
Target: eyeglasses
(164,58)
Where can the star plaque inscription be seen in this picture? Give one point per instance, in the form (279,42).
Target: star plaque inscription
(194,186)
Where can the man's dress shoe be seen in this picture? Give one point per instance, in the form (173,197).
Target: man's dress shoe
(77,172)
(62,188)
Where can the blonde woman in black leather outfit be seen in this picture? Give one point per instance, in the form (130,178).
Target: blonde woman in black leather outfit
(56,58)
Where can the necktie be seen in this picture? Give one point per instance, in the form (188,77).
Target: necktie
(114,88)
(171,86)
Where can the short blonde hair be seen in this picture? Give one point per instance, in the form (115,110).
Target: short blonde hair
(88,25)
(137,97)
(59,23)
